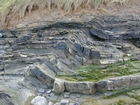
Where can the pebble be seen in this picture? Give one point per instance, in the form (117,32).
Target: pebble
(41,90)
(44,95)
(64,102)
(52,97)
(66,95)
(49,91)
(76,103)
(51,94)
(50,103)
(23,56)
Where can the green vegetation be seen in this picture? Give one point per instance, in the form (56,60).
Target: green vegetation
(96,73)
(134,94)
(125,91)
(121,102)
(22,6)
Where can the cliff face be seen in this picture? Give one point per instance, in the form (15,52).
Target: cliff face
(59,47)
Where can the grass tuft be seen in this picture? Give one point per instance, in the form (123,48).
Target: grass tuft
(22,6)
(96,73)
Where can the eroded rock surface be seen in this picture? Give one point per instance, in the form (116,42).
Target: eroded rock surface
(59,47)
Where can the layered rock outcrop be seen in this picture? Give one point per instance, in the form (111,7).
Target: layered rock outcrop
(46,49)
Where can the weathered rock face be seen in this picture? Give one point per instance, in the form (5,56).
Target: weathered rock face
(116,28)
(46,49)
(118,83)
(81,87)
(44,75)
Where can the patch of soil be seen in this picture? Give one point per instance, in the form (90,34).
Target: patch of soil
(81,14)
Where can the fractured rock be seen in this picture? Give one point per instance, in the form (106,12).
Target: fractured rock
(99,33)
(44,75)
(118,83)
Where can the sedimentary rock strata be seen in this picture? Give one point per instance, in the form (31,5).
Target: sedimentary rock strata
(46,49)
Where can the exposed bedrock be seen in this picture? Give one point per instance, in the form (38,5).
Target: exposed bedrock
(123,82)
(41,50)
(118,83)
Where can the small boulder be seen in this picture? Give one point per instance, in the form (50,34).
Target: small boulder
(58,86)
(38,100)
